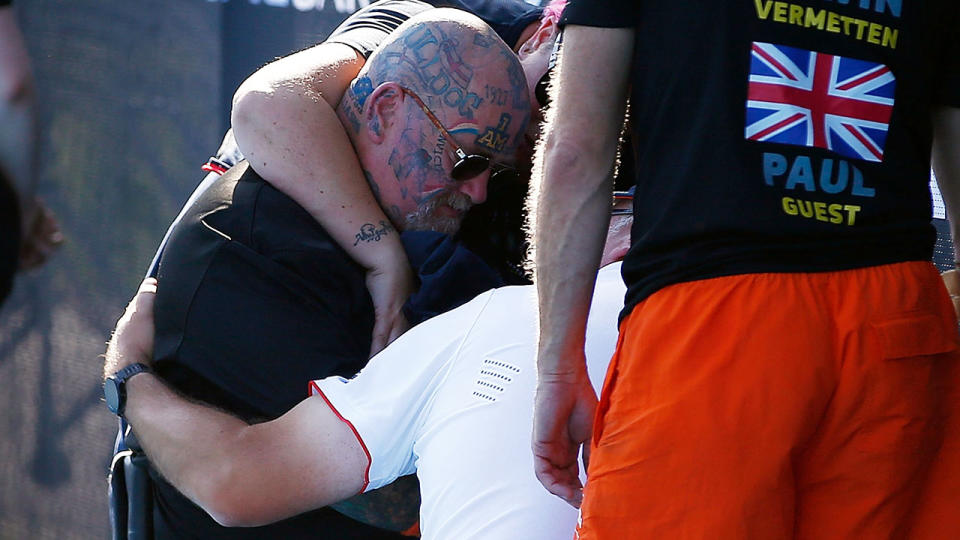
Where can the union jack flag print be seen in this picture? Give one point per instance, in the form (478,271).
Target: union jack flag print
(809,98)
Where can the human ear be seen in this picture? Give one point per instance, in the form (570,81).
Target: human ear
(543,34)
(385,105)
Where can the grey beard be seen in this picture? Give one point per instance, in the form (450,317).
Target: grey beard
(424,218)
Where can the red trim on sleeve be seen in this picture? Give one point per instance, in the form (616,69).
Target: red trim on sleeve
(211,166)
(315,390)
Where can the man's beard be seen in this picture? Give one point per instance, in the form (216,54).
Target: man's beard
(424,218)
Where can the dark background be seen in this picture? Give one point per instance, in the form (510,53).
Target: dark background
(133,98)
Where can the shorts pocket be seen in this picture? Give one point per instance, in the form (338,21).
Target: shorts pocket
(915,334)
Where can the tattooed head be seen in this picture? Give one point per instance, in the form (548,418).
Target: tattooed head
(443,81)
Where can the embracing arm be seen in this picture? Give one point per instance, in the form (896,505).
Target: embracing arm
(285,124)
(577,160)
(242,475)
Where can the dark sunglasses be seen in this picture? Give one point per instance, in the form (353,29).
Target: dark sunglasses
(468,165)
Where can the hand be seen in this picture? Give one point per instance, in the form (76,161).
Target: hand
(41,236)
(951,278)
(389,290)
(132,341)
(562,422)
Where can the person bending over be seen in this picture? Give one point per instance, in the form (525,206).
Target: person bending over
(452,399)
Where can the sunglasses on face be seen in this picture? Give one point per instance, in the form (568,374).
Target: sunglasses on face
(467,165)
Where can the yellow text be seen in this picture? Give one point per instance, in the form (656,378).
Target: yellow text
(827,21)
(829,213)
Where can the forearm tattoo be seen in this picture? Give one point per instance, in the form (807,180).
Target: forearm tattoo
(373,233)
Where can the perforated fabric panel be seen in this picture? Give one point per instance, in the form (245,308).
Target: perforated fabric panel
(943,250)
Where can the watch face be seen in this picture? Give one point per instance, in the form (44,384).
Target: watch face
(111,393)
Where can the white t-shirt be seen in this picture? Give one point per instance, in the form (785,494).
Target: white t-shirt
(452,400)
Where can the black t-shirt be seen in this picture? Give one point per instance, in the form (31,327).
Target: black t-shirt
(369,26)
(256,297)
(780,136)
(254,301)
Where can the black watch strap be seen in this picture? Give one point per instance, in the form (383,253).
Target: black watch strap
(115,387)
(131,370)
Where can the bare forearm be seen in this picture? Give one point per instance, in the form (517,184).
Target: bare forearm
(576,162)
(245,475)
(183,440)
(305,153)
(286,126)
(946,164)
(570,230)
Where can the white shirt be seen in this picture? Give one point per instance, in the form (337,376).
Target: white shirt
(452,400)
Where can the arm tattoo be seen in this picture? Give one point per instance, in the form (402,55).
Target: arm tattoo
(371,233)
(395,507)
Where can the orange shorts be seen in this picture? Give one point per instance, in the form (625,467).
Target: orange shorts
(782,406)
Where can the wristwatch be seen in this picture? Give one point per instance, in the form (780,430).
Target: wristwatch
(115,387)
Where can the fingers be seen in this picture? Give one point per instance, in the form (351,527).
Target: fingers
(141,306)
(148,285)
(563,419)
(379,340)
(386,330)
(389,289)
(564,482)
(401,325)
(146,294)
(132,341)
(555,463)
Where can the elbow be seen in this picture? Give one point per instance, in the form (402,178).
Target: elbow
(230,510)
(234,517)
(227,516)
(251,105)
